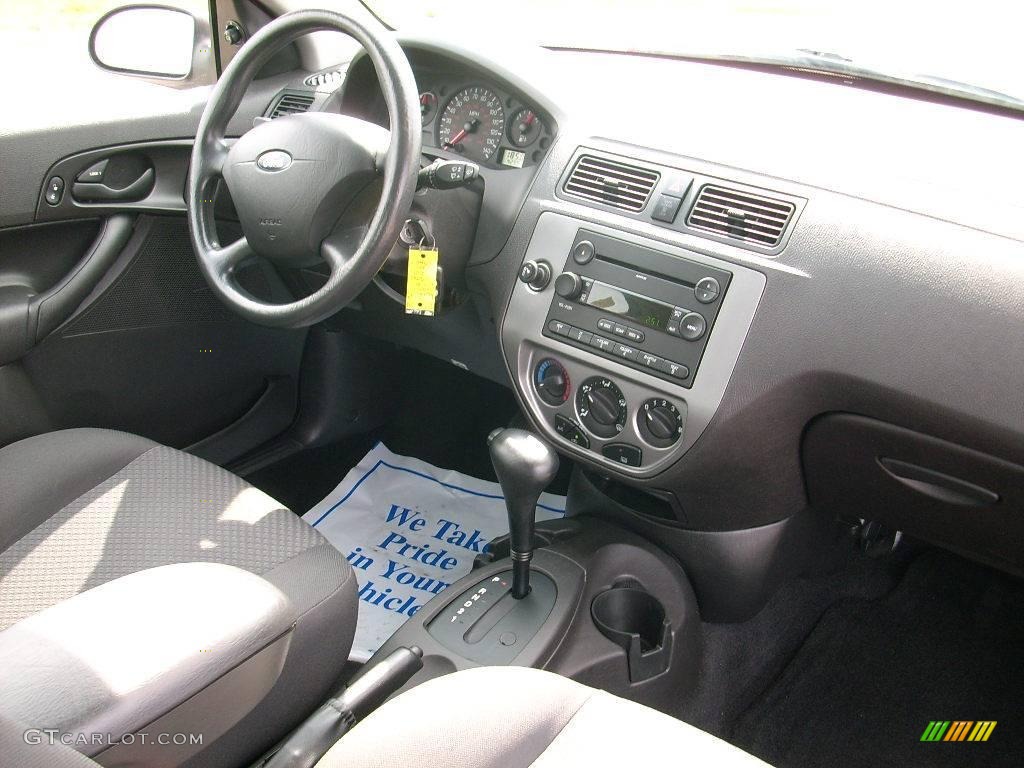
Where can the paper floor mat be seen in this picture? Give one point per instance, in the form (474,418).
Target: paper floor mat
(409,530)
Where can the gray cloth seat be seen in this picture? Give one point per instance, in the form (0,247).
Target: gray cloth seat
(80,508)
(490,717)
(514,717)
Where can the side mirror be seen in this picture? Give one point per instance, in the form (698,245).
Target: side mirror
(151,41)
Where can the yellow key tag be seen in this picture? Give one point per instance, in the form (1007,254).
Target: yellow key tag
(421,287)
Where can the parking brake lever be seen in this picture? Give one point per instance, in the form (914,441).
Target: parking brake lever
(368,690)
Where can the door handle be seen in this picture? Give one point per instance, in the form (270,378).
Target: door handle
(95,192)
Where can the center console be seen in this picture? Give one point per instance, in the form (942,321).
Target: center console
(593,602)
(621,346)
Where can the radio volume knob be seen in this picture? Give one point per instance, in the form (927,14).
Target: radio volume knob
(569,285)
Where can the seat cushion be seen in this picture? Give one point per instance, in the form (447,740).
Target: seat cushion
(514,717)
(81,507)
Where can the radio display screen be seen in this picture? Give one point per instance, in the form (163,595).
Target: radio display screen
(648,313)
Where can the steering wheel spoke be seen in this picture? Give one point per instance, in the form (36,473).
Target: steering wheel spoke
(227,258)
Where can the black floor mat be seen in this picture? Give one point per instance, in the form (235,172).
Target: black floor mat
(946,644)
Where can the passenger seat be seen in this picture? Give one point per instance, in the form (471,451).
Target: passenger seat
(489,717)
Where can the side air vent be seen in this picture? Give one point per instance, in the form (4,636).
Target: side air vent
(291,103)
(331,77)
(611,182)
(740,215)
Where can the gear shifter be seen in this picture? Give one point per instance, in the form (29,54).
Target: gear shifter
(525,466)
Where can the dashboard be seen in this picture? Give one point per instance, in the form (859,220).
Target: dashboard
(762,296)
(687,302)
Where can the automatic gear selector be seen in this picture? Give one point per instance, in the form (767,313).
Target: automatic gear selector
(525,466)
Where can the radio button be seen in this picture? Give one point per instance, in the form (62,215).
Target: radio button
(634,335)
(677,313)
(583,252)
(675,370)
(651,361)
(559,328)
(692,326)
(601,343)
(707,290)
(604,324)
(627,353)
(578,334)
(618,329)
(672,327)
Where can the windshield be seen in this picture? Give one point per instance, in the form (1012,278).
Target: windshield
(967,48)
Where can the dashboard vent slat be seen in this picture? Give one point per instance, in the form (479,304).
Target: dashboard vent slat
(611,182)
(740,215)
(292,104)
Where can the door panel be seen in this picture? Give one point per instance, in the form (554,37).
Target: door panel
(151,350)
(105,319)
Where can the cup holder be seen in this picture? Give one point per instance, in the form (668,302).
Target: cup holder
(634,619)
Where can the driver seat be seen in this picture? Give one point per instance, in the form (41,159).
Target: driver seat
(83,511)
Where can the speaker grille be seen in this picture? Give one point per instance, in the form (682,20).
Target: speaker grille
(161,286)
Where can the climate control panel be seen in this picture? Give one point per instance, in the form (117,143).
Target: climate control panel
(597,415)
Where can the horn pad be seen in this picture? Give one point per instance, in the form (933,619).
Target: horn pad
(292,177)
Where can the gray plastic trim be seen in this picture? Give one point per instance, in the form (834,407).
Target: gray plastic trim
(524,346)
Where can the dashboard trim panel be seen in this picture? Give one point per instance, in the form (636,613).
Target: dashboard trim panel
(525,346)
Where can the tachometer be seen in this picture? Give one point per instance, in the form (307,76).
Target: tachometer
(472,123)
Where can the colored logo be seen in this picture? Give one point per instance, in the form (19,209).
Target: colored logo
(958,730)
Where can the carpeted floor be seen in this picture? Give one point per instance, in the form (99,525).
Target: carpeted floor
(946,644)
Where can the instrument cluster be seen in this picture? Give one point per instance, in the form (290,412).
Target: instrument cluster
(481,122)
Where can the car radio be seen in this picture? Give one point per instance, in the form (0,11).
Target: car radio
(650,310)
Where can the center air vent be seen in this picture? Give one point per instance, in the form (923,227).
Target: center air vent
(291,103)
(611,182)
(740,215)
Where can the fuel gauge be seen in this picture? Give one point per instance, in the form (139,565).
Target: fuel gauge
(524,128)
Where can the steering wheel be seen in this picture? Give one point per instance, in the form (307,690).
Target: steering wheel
(292,177)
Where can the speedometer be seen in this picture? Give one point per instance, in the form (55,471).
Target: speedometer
(472,123)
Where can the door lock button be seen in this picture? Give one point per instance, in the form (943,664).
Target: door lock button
(54,190)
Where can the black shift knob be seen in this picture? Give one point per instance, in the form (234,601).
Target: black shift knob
(525,465)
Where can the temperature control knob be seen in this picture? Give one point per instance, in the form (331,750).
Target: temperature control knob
(601,406)
(569,285)
(659,422)
(551,381)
